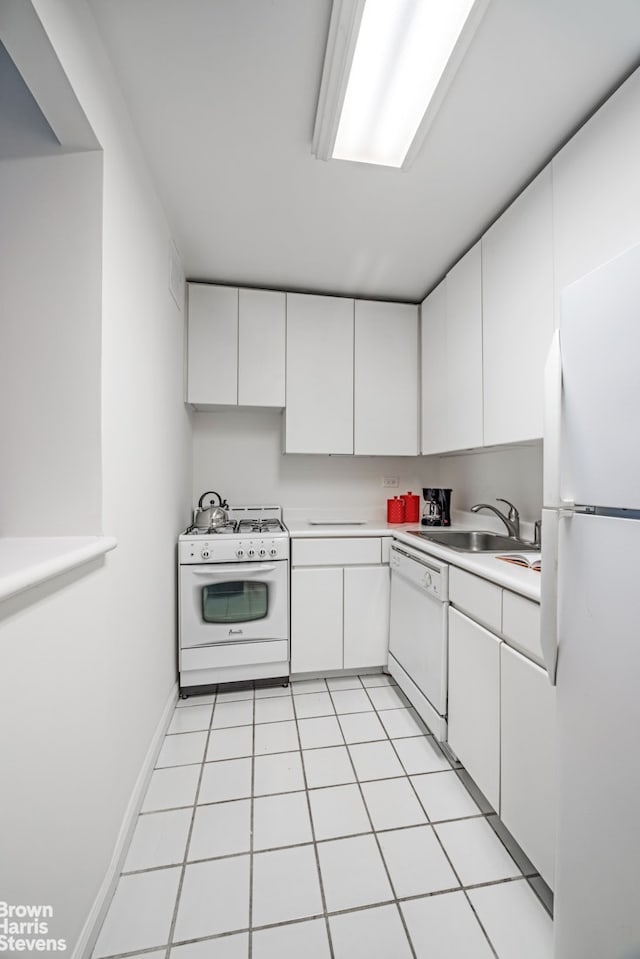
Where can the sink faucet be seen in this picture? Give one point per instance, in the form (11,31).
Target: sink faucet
(511,521)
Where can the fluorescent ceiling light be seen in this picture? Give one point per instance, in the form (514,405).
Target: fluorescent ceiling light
(387,67)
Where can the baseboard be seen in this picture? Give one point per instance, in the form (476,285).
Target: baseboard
(89,933)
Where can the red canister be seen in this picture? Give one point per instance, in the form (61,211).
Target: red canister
(395,510)
(411,507)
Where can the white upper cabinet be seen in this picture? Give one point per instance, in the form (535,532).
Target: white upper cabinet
(386,379)
(433,348)
(212,366)
(452,359)
(596,188)
(518,314)
(319,410)
(261,348)
(236,347)
(463,330)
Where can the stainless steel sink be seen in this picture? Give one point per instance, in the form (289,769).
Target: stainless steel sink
(474,540)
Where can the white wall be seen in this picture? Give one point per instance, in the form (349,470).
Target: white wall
(23,128)
(514,473)
(89,661)
(51,216)
(238,453)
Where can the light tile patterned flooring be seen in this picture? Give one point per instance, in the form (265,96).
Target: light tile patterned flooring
(319,820)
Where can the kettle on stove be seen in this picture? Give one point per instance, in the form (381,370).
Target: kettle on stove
(212,516)
(437,507)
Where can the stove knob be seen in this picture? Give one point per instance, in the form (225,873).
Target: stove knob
(205,553)
(239,553)
(251,553)
(262,552)
(273,551)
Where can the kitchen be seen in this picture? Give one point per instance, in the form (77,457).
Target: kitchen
(90,658)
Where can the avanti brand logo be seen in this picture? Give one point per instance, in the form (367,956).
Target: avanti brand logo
(25,928)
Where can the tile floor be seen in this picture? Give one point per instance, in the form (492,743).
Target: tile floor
(319,820)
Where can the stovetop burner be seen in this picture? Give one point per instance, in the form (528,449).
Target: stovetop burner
(246,521)
(264,527)
(260,526)
(215,531)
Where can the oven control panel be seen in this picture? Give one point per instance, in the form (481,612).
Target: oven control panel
(217,549)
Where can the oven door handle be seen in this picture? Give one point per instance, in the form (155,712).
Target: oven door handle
(216,569)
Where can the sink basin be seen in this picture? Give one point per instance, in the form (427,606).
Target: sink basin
(474,540)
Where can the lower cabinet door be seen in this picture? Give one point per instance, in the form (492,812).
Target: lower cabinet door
(527,792)
(366,616)
(474,702)
(316,619)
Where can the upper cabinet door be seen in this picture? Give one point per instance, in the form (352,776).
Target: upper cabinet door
(518,316)
(212,366)
(434,372)
(319,410)
(596,188)
(261,348)
(464,352)
(386,379)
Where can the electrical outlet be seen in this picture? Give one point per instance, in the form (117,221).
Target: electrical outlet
(390,482)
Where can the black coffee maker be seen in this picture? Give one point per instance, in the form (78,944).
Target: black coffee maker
(437,507)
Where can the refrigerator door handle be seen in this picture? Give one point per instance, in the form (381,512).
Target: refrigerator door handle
(552,424)
(549,590)
(551,492)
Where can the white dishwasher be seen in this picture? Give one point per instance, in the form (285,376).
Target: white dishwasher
(418,633)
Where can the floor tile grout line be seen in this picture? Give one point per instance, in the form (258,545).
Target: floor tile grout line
(319,842)
(523,874)
(323,897)
(491,814)
(335,912)
(435,833)
(279,722)
(485,932)
(441,844)
(167,947)
(251,827)
(185,861)
(377,842)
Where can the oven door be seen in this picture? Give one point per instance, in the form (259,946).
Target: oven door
(233,602)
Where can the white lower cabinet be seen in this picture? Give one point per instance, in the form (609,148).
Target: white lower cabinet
(366,616)
(474,702)
(527,760)
(316,619)
(502,710)
(339,605)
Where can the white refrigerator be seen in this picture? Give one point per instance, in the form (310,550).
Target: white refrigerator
(591,608)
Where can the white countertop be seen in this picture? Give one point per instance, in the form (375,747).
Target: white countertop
(26,561)
(526,582)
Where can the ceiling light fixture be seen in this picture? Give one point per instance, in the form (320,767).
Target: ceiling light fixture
(387,67)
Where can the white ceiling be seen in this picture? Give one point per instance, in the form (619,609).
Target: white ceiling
(223,96)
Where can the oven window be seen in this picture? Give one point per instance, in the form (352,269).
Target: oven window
(237,601)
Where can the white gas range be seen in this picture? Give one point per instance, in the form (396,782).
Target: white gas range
(234,599)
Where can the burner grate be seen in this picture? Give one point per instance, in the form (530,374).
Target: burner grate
(260,526)
(230,527)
